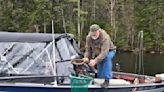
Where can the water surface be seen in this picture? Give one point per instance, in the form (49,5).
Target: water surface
(152,63)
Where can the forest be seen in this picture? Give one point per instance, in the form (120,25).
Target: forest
(122,19)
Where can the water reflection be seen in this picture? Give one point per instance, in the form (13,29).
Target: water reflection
(153,63)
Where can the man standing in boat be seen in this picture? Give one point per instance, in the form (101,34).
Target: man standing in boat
(100,50)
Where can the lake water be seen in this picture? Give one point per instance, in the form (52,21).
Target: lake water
(152,63)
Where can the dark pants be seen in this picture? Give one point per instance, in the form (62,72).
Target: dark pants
(105,67)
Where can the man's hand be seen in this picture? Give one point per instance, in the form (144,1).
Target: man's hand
(92,63)
(86,60)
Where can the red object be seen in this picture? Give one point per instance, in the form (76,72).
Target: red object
(125,77)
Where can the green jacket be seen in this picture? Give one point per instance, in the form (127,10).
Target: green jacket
(99,48)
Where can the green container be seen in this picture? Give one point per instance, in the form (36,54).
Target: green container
(80,83)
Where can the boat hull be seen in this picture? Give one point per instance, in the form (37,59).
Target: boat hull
(51,88)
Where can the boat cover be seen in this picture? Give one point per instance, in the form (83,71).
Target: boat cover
(32,53)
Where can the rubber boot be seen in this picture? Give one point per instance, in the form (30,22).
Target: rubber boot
(105,84)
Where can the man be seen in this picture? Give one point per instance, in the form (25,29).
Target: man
(100,50)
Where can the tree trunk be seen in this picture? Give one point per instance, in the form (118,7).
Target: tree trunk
(128,14)
(94,10)
(113,22)
(45,27)
(78,23)
(63,19)
(36,26)
(131,23)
